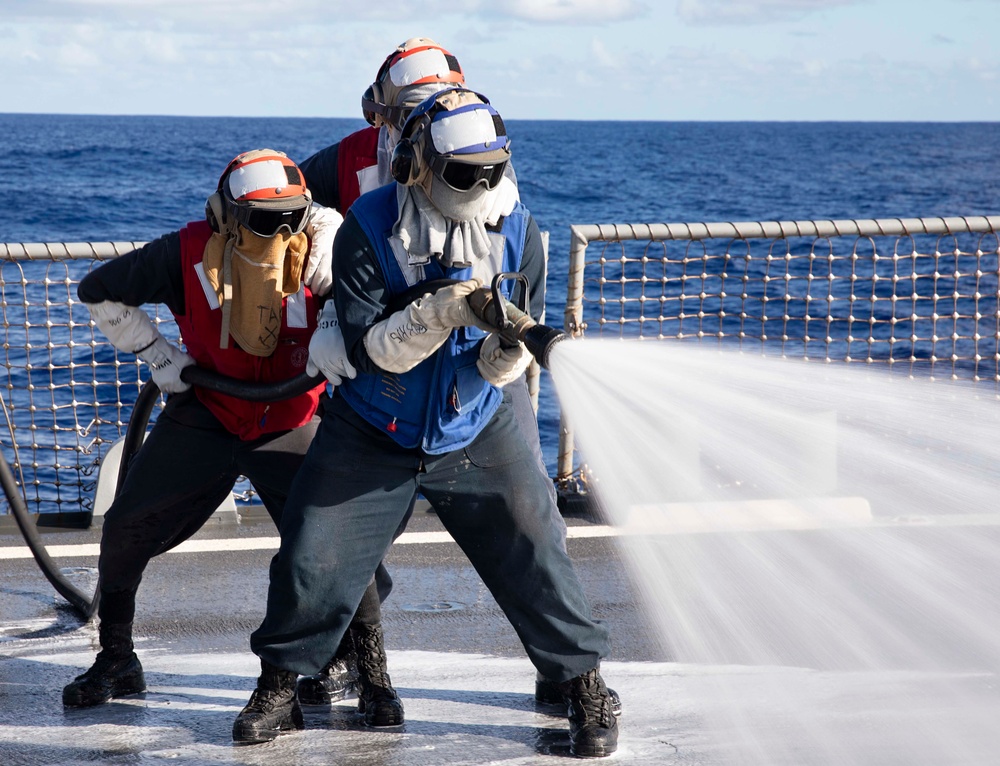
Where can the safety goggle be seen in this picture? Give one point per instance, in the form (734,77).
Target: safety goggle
(463,176)
(268,223)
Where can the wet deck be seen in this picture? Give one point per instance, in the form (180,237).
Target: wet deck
(466,686)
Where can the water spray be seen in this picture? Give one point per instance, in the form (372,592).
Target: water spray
(513,323)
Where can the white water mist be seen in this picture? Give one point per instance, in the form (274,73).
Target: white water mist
(832,524)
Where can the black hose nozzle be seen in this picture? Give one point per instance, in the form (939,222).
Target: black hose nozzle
(539,340)
(513,325)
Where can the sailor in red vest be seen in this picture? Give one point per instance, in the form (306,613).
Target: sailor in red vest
(243,288)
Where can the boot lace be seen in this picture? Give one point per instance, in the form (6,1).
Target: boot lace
(266,700)
(590,700)
(372,663)
(107,664)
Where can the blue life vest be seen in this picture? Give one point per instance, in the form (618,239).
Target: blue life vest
(443,403)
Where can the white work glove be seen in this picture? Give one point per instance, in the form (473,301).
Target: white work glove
(403,340)
(322,229)
(128,328)
(165,362)
(131,330)
(327,353)
(499,365)
(448,308)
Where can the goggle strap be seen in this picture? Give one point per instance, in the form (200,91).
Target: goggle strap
(390,114)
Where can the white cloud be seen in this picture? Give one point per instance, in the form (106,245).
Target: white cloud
(719,12)
(602,55)
(705,83)
(571,11)
(262,14)
(535,59)
(292,11)
(814,67)
(76,56)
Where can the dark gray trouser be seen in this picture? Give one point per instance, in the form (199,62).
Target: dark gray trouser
(349,498)
(524,414)
(527,422)
(184,470)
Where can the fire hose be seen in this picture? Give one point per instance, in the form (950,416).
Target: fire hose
(86,605)
(512,322)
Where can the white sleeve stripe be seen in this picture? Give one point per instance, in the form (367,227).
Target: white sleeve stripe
(295,309)
(210,295)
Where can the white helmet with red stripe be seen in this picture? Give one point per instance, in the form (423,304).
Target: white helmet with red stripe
(262,190)
(417,62)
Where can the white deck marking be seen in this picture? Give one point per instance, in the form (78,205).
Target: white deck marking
(652,520)
(263,543)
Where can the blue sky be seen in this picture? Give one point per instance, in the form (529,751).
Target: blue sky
(882,60)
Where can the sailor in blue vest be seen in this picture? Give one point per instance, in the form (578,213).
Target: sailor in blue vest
(427,412)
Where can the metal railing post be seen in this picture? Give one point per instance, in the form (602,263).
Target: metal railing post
(574,326)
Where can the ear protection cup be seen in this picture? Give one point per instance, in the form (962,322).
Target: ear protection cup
(373,100)
(214,212)
(404,165)
(371,106)
(214,207)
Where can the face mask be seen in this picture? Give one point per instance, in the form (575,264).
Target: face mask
(261,271)
(455,205)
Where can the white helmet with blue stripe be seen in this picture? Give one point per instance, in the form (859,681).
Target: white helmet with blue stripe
(456,135)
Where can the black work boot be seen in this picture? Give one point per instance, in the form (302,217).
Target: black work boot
(593,728)
(272,709)
(337,679)
(376,697)
(547,692)
(116,671)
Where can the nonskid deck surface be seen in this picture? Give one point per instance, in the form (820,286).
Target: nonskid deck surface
(466,685)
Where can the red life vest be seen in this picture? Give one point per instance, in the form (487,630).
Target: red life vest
(200,327)
(356,152)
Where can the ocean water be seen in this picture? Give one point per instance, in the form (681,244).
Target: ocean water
(102,178)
